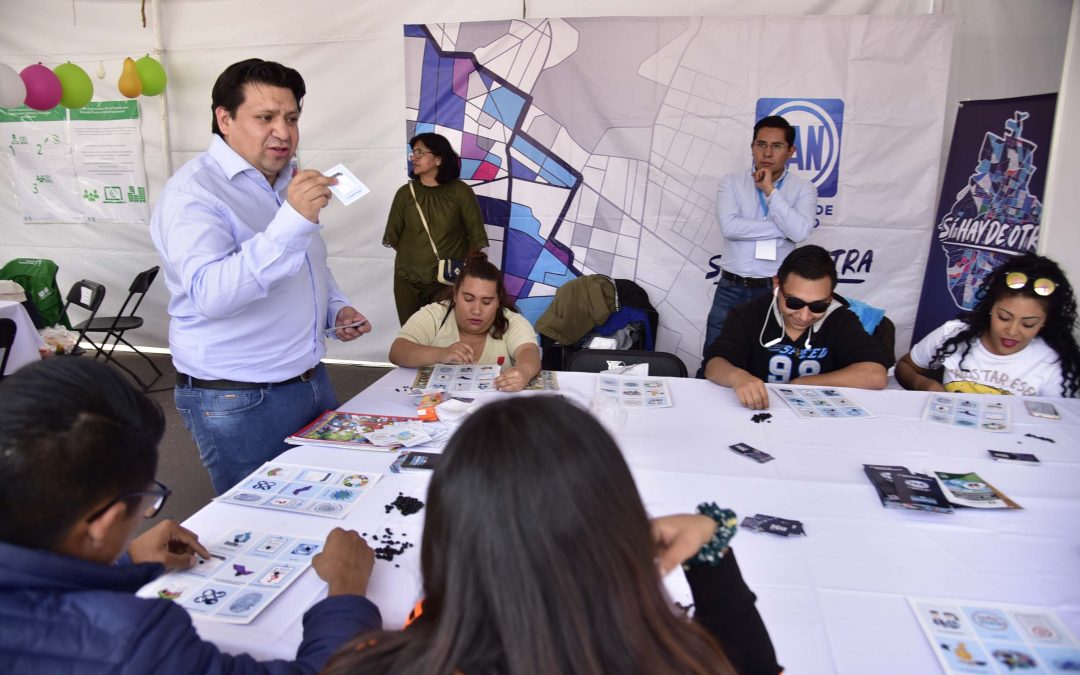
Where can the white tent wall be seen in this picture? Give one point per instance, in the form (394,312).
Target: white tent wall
(351,55)
(1061,240)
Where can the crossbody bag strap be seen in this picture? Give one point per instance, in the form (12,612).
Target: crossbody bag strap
(423,220)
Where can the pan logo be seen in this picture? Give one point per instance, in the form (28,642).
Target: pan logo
(818,125)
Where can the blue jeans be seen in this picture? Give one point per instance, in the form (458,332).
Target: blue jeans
(728,295)
(237,430)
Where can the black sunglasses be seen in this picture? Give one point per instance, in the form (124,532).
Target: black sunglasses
(161,492)
(816,307)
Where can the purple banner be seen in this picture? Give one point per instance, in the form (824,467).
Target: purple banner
(990,201)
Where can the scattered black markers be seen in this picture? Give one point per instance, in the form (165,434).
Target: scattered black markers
(758,418)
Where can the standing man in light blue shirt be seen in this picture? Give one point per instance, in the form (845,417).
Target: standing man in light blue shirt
(763,213)
(252,298)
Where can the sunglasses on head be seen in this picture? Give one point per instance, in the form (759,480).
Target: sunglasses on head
(816,307)
(1041,286)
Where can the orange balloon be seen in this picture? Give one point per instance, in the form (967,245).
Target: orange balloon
(130,83)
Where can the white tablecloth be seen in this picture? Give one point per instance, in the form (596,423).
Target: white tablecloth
(27,339)
(834,601)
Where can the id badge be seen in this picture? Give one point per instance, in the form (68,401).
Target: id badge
(765,249)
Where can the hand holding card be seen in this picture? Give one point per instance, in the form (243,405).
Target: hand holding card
(330,332)
(349,188)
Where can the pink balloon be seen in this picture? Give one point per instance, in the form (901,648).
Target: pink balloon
(43,90)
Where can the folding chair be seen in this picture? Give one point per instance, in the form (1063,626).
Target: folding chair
(87,295)
(597,360)
(7,338)
(114,327)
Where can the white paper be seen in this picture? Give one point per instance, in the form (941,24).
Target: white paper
(349,188)
(968,412)
(635,392)
(315,491)
(765,249)
(246,572)
(970,636)
(810,402)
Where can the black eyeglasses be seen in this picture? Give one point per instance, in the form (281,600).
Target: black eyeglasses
(1041,286)
(161,492)
(816,307)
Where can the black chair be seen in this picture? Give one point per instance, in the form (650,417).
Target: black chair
(87,295)
(8,328)
(596,360)
(114,327)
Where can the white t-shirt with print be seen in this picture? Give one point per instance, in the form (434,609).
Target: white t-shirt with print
(1033,371)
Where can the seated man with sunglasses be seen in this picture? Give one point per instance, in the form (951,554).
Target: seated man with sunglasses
(799,334)
(78,453)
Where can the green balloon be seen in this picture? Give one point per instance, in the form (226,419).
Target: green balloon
(152,75)
(75,84)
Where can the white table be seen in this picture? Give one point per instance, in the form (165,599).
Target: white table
(834,601)
(27,339)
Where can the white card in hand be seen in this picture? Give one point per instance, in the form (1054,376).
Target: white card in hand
(349,188)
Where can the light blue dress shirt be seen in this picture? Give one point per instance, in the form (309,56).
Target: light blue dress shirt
(250,289)
(790,218)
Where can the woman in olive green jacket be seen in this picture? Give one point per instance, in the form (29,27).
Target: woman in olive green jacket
(453,218)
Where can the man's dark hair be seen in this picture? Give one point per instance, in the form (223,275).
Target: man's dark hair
(73,433)
(810,262)
(228,91)
(776,122)
(450,169)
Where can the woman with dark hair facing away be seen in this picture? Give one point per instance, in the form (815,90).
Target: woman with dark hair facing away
(478,324)
(1017,340)
(435,207)
(538,557)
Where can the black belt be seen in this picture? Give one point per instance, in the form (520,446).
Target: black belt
(187,380)
(748,282)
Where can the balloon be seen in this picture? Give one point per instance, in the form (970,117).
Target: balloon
(43,90)
(152,75)
(100,70)
(12,88)
(129,84)
(78,89)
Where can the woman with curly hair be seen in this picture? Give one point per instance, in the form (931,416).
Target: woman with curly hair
(1017,340)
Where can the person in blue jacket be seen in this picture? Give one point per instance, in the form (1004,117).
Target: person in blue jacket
(78,455)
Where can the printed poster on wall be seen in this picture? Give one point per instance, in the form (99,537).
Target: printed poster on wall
(991,201)
(78,166)
(596,145)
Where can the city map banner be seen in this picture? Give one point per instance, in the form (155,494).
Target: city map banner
(991,202)
(595,145)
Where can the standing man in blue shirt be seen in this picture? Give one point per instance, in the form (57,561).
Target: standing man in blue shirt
(237,229)
(763,213)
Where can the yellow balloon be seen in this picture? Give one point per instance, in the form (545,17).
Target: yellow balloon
(152,75)
(130,84)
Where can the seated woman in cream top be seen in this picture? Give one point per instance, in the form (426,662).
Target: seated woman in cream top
(479,324)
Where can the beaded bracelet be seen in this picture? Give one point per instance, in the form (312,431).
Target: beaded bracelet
(711,553)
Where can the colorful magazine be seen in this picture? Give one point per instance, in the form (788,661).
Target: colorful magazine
(346,430)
